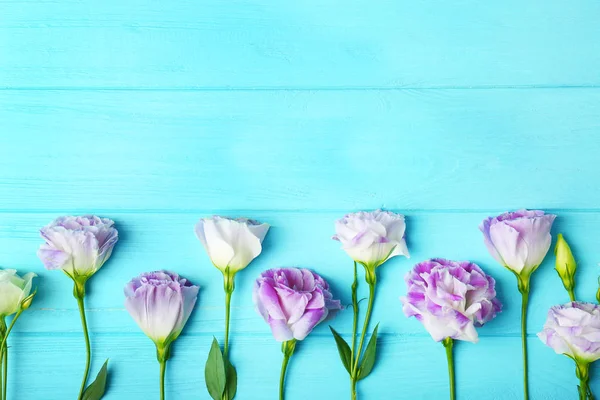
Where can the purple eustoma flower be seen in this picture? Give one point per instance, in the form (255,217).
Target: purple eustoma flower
(518,240)
(293,301)
(161,303)
(450,298)
(78,245)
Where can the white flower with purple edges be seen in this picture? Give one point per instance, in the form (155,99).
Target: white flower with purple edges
(450,298)
(78,245)
(518,240)
(573,329)
(372,238)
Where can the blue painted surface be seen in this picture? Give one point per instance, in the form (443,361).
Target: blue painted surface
(156,113)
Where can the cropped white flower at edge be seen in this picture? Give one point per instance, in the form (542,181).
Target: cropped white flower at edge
(78,245)
(372,238)
(13,290)
(231,243)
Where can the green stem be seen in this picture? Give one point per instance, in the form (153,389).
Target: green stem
(524,289)
(583,373)
(2,337)
(365,326)
(355,317)
(228,286)
(287,348)
(5,372)
(354,329)
(163,353)
(571,294)
(163,368)
(4,350)
(79,295)
(449,344)
(227,313)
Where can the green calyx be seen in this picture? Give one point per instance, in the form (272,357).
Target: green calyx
(288,347)
(370,273)
(163,351)
(79,285)
(523,280)
(229,280)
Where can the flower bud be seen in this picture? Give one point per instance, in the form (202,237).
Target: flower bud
(565,263)
(26,303)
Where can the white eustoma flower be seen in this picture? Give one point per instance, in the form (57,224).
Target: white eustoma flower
(13,290)
(231,243)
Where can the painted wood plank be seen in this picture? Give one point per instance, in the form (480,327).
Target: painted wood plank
(330,150)
(155,241)
(409,368)
(314,43)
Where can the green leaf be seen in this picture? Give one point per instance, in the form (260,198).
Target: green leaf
(231,384)
(97,388)
(368,360)
(343,349)
(214,371)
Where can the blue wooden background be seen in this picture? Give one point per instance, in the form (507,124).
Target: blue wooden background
(156,113)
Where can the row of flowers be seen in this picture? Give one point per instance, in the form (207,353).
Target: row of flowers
(450,298)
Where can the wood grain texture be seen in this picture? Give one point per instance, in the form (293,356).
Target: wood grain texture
(289,150)
(308,44)
(409,368)
(157,113)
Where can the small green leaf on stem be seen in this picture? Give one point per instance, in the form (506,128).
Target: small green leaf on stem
(343,349)
(97,388)
(214,371)
(369,358)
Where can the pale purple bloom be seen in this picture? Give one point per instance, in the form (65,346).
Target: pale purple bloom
(518,240)
(450,298)
(78,245)
(371,238)
(293,301)
(573,329)
(231,242)
(161,303)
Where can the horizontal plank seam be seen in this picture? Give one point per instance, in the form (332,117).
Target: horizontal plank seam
(285,211)
(297,89)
